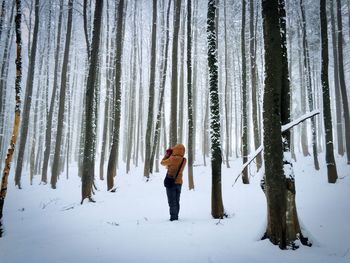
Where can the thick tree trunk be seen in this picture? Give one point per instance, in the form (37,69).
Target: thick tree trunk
(28,99)
(282,221)
(57,155)
(217,208)
(87,178)
(327,115)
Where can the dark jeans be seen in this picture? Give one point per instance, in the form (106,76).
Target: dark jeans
(173,194)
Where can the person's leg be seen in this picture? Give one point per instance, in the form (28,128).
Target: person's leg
(171,193)
(178,193)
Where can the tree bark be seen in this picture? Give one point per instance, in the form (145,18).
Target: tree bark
(17,117)
(28,99)
(112,161)
(342,81)
(161,90)
(3,77)
(190,96)
(217,208)
(48,132)
(307,71)
(148,143)
(174,75)
(245,177)
(253,74)
(57,155)
(338,103)
(327,115)
(87,178)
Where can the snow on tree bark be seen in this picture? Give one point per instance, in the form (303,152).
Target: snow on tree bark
(217,208)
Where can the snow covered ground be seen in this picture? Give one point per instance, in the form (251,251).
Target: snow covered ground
(131,225)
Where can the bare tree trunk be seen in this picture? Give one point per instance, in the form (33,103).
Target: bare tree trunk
(148,143)
(174,75)
(282,220)
(327,115)
(304,139)
(217,208)
(161,90)
(2,16)
(4,75)
(226,92)
(307,71)
(190,96)
(253,74)
(48,131)
(338,104)
(181,79)
(87,178)
(27,100)
(107,99)
(132,106)
(11,149)
(57,156)
(112,161)
(245,177)
(342,81)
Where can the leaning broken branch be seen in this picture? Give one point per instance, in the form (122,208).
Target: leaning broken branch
(283,129)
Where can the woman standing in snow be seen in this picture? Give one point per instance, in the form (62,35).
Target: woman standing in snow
(175,162)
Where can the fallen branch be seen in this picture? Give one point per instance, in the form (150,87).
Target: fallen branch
(283,129)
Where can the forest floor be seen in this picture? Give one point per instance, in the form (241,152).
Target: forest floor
(132,224)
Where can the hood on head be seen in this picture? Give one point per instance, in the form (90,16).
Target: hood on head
(179,149)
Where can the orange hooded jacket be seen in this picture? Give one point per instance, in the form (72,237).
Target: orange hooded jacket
(172,162)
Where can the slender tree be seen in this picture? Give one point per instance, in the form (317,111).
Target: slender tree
(112,161)
(190,96)
(174,76)
(2,16)
(307,75)
(245,177)
(148,143)
(28,99)
(338,104)
(226,91)
(17,118)
(343,90)
(253,80)
(327,116)
(48,131)
(3,76)
(217,208)
(161,89)
(57,155)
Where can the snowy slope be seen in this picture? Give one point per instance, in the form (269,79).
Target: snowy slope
(131,225)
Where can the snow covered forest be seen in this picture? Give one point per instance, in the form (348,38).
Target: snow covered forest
(93,93)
